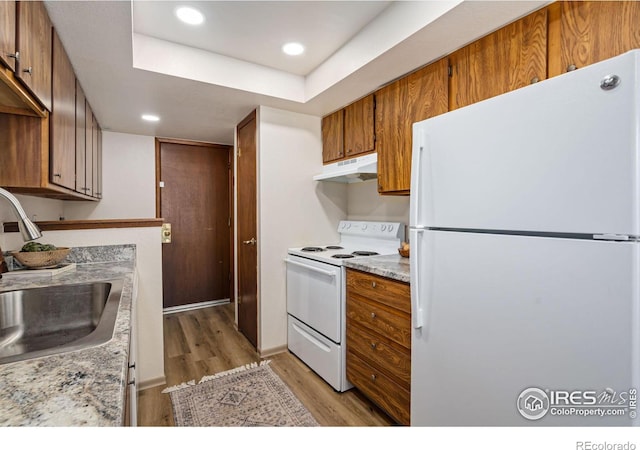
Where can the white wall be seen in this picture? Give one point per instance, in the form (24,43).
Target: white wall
(128,180)
(150,369)
(366,204)
(293,210)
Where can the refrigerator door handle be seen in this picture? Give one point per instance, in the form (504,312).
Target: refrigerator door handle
(420,152)
(417,278)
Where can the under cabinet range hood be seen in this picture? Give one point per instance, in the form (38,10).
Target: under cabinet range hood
(352,170)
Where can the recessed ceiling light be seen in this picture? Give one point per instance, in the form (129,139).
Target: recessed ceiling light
(150,117)
(190,15)
(293,48)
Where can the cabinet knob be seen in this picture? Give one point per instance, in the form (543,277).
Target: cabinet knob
(571,67)
(57,175)
(373,377)
(373,284)
(373,345)
(373,315)
(15,55)
(535,80)
(28,70)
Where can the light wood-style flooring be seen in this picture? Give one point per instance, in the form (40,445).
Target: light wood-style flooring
(205,341)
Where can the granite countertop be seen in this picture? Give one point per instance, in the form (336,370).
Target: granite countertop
(395,267)
(78,388)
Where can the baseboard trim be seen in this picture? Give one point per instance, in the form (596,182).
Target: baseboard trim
(154,382)
(273,351)
(192,306)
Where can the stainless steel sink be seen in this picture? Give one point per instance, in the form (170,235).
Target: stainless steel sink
(44,321)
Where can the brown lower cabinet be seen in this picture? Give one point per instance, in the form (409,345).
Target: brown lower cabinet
(379,341)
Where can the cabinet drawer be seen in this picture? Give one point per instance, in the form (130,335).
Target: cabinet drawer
(392,324)
(380,353)
(384,290)
(391,397)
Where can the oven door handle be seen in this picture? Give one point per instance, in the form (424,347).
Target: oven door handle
(311,268)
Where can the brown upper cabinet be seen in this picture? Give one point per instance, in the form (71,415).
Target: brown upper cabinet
(359,131)
(63,119)
(583,33)
(418,96)
(507,59)
(350,131)
(34,47)
(333,137)
(8,33)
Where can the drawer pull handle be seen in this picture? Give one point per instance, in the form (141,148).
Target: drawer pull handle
(373,315)
(373,284)
(373,377)
(373,345)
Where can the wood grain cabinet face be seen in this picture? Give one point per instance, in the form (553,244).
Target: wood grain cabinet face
(8,33)
(81,145)
(89,121)
(379,341)
(333,137)
(583,33)
(359,131)
(34,42)
(62,119)
(507,59)
(418,96)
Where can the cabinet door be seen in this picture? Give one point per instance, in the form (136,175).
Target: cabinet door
(583,33)
(332,136)
(88,189)
(359,133)
(98,176)
(507,59)
(81,140)
(95,158)
(418,96)
(62,148)
(34,44)
(8,32)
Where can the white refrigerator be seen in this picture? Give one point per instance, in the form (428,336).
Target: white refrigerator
(525,262)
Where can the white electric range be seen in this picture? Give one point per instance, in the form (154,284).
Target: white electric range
(316,294)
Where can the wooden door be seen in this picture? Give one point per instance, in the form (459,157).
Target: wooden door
(247,229)
(34,45)
(418,96)
(88,154)
(333,136)
(8,33)
(359,132)
(81,139)
(194,199)
(583,33)
(63,119)
(507,59)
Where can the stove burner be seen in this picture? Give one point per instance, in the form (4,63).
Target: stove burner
(312,249)
(334,247)
(364,253)
(342,256)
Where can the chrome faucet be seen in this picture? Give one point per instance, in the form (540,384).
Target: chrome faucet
(29,230)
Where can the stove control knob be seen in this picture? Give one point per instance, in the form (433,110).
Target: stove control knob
(383,227)
(364,226)
(390,228)
(348,226)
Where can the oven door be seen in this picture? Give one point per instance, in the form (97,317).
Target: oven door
(314,295)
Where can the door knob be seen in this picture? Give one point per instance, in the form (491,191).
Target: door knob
(251,241)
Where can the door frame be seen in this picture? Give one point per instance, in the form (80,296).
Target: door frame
(230,168)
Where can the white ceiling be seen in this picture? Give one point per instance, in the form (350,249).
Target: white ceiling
(136,58)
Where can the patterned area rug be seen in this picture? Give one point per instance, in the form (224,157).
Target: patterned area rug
(246,396)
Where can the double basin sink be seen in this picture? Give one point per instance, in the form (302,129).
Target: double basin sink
(43,321)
